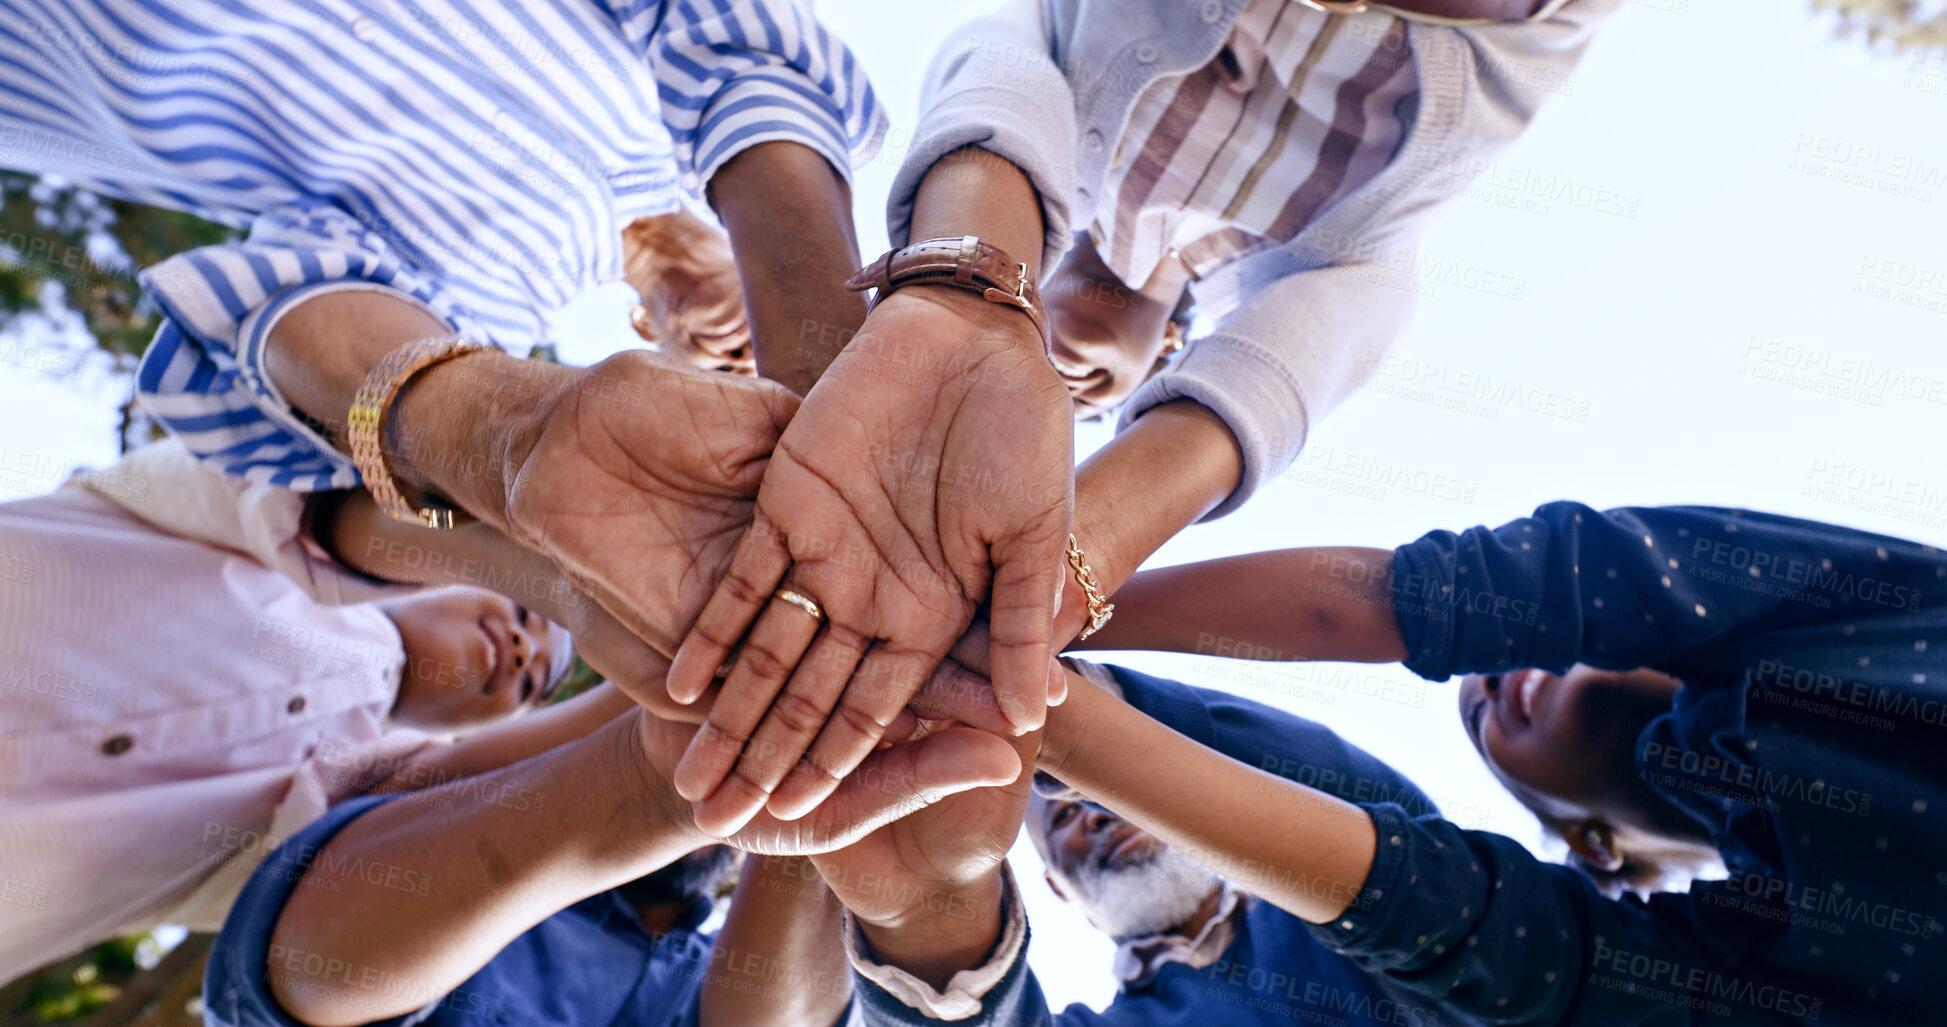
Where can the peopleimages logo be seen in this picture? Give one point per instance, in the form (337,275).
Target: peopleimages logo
(1647,973)
(1363,1007)
(1743,777)
(1833,904)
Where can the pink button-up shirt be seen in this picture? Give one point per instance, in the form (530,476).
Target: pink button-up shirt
(184,682)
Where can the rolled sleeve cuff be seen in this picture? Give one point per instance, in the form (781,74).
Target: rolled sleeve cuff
(1250,390)
(781,105)
(244,965)
(1422,589)
(253,340)
(1372,917)
(967,989)
(203,377)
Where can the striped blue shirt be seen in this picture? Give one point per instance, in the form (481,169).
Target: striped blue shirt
(477,156)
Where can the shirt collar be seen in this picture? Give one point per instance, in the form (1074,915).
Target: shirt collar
(610,907)
(1138,960)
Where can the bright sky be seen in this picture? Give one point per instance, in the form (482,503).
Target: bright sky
(1741,288)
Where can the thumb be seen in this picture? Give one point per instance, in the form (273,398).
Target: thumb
(908,777)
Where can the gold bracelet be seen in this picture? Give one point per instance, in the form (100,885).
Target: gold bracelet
(1099,607)
(365,424)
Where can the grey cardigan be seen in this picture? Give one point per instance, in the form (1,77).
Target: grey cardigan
(1050,84)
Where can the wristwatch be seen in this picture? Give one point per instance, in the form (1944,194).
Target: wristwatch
(964,263)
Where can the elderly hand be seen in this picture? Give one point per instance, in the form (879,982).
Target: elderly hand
(636,477)
(931,463)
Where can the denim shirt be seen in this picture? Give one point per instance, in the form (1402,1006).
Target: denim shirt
(592,963)
(1273,971)
(1808,740)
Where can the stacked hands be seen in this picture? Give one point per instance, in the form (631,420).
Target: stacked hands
(922,505)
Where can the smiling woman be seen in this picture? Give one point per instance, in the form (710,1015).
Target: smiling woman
(1647,705)
(1566,747)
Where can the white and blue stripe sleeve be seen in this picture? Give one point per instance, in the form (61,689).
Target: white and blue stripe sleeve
(203,376)
(731,74)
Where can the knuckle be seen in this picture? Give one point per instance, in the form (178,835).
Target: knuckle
(798,715)
(810,778)
(743,589)
(860,722)
(763,662)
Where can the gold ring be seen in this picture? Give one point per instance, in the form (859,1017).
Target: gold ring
(801,601)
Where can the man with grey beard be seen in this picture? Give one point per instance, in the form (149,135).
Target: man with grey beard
(1193,947)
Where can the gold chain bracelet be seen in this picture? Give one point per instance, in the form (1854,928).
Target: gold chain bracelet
(1099,607)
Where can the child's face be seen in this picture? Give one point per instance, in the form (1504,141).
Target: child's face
(472,658)
(1566,746)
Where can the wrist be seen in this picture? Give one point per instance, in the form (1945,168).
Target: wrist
(460,428)
(658,811)
(952,929)
(1174,465)
(1072,726)
(973,191)
(1000,326)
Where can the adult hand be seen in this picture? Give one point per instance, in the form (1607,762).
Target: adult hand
(636,477)
(926,889)
(891,784)
(932,462)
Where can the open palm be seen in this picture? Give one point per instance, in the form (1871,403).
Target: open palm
(932,465)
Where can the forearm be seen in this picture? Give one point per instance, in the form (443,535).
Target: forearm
(789,217)
(1323,603)
(1299,848)
(504,745)
(784,926)
(1149,483)
(452,428)
(426,889)
(932,946)
(350,526)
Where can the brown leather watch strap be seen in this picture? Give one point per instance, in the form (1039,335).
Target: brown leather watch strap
(964,263)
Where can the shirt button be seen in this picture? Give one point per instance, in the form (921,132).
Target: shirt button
(295,705)
(1093,139)
(1213,11)
(1146,54)
(365,29)
(117,745)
